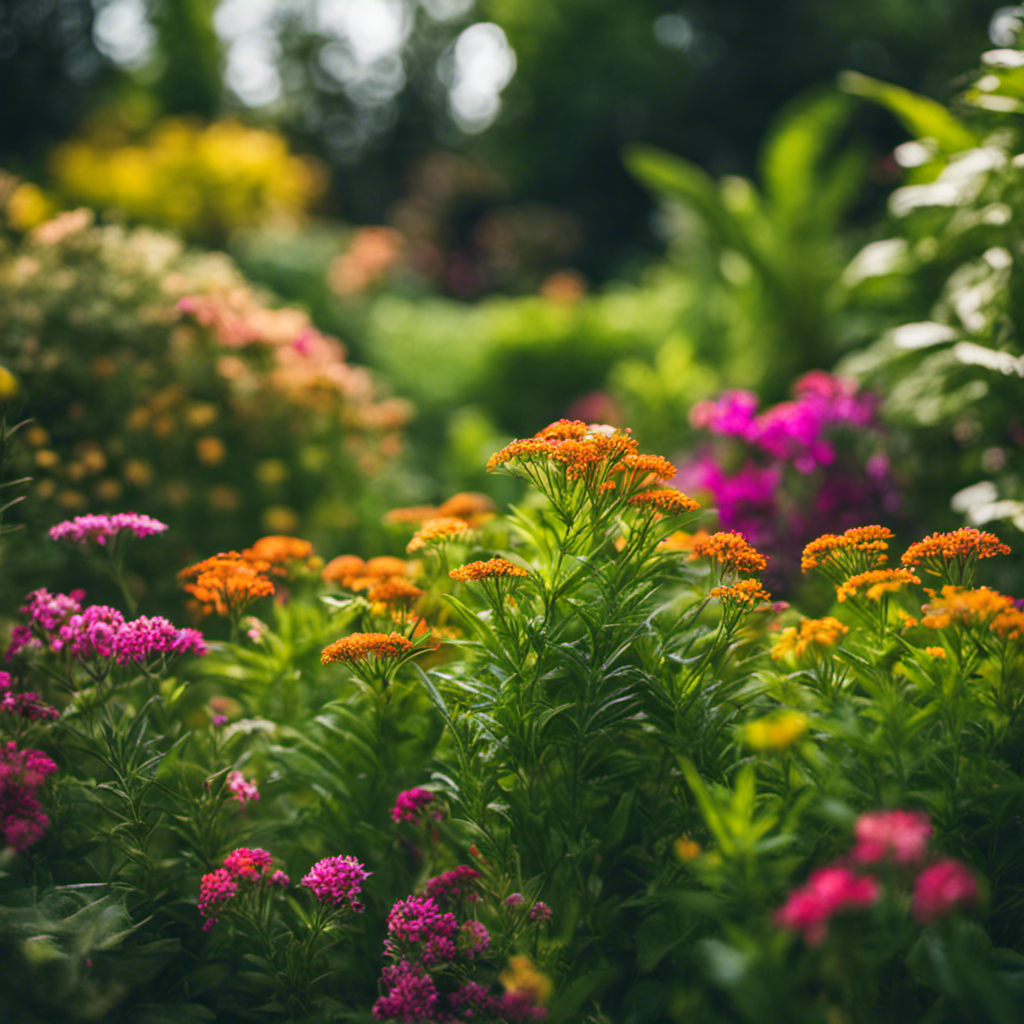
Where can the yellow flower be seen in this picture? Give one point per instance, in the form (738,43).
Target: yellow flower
(936,652)
(522,976)
(876,583)
(775,732)
(811,633)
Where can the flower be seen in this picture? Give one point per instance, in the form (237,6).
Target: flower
(144,638)
(251,865)
(473,938)
(361,646)
(494,568)
(897,836)
(861,547)
(393,590)
(227,582)
(435,532)
(411,997)
(28,704)
(215,889)
(279,551)
(418,921)
(337,881)
(875,583)
(101,528)
(741,593)
(241,790)
(50,611)
(941,888)
(811,634)
(539,912)
(980,607)
(686,848)
(936,652)
(731,551)
(664,500)
(342,569)
(953,555)
(410,803)
(92,633)
(452,887)
(775,732)
(522,978)
(827,892)
(22,772)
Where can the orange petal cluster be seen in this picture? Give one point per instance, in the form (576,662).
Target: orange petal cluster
(810,634)
(279,551)
(870,541)
(876,583)
(360,646)
(978,607)
(958,546)
(227,582)
(743,592)
(732,551)
(494,568)
(438,531)
(665,500)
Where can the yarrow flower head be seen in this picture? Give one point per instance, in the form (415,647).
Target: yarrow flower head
(280,552)
(215,889)
(900,837)
(980,608)
(664,501)
(337,881)
(227,583)
(22,773)
(731,551)
(438,532)
(494,568)
(742,594)
(812,635)
(146,638)
(101,528)
(27,704)
(411,996)
(419,922)
(858,550)
(943,887)
(411,803)
(827,892)
(454,887)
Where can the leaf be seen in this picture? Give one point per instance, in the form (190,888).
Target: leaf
(921,116)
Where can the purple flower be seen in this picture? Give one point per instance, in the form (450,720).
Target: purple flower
(28,704)
(473,938)
(50,611)
(101,528)
(338,881)
(448,888)
(410,803)
(540,912)
(418,921)
(22,772)
(144,638)
(91,633)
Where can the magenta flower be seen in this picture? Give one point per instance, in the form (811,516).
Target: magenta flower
(215,890)
(22,773)
(249,864)
(828,891)
(49,612)
(473,938)
(337,881)
(411,997)
(540,912)
(90,633)
(100,528)
(27,705)
(449,888)
(241,790)
(897,836)
(146,638)
(419,921)
(941,888)
(410,803)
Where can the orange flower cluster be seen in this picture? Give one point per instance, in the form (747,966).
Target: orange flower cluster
(585,452)
(665,500)
(494,568)
(875,583)
(475,509)
(360,646)
(438,531)
(863,546)
(958,550)
(936,652)
(393,590)
(281,552)
(1009,624)
(227,582)
(810,634)
(683,540)
(564,430)
(641,468)
(743,592)
(732,551)
(978,607)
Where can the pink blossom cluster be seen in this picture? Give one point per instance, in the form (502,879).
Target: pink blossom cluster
(26,705)
(337,881)
(243,869)
(22,772)
(417,925)
(474,1000)
(894,838)
(241,790)
(775,476)
(411,996)
(100,528)
(453,887)
(98,631)
(410,803)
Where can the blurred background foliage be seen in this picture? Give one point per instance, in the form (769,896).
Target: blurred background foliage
(509,211)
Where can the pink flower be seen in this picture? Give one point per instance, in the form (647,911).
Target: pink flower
(215,890)
(241,790)
(418,921)
(27,705)
(243,868)
(540,912)
(410,803)
(942,887)
(411,997)
(452,886)
(828,891)
(146,638)
(100,529)
(248,864)
(473,938)
(338,881)
(898,836)
(22,772)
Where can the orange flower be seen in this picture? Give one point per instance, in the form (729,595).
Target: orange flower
(361,646)
(665,500)
(564,430)
(863,546)
(743,592)
(227,582)
(978,607)
(381,566)
(875,583)
(393,590)
(936,652)
(437,532)
(521,451)
(682,540)
(732,551)
(343,569)
(953,555)
(409,515)
(474,508)
(642,467)
(1009,623)
(279,551)
(810,634)
(495,568)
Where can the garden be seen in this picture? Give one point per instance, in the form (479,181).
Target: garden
(511,512)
